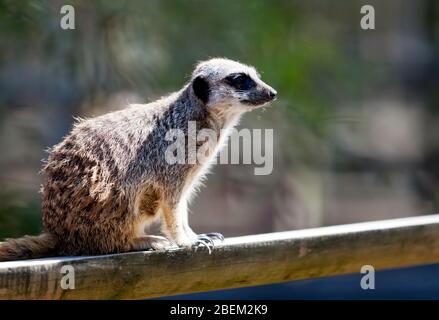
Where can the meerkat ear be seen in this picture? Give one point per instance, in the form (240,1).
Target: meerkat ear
(201,88)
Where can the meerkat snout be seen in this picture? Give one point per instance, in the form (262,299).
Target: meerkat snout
(251,90)
(273,94)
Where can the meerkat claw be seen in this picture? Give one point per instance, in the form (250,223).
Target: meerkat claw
(215,235)
(203,243)
(212,236)
(205,238)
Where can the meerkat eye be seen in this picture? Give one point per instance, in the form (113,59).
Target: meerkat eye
(240,81)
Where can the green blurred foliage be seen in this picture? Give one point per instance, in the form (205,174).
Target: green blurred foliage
(18,216)
(304,57)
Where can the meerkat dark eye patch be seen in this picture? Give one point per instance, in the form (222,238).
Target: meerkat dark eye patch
(240,81)
(201,88)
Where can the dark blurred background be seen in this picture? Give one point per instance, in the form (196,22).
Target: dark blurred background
(414,283)
(355,127)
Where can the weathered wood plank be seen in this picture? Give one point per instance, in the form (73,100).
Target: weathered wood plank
(237,262)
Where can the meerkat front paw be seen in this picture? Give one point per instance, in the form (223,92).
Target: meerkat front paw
(204,238)
(199,241)
(207,240)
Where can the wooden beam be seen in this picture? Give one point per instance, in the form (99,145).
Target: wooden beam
(237,262)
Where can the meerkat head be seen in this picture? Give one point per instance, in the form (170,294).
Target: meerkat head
(226,84)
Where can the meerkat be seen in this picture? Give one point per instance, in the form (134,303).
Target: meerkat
(108,180)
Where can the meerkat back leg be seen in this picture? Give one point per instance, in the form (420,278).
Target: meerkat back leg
(150,242)
(142,241)
(148,211)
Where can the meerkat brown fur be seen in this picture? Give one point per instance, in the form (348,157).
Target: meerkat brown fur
(109,178)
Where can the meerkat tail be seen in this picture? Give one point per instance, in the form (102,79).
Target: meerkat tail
(28,247)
